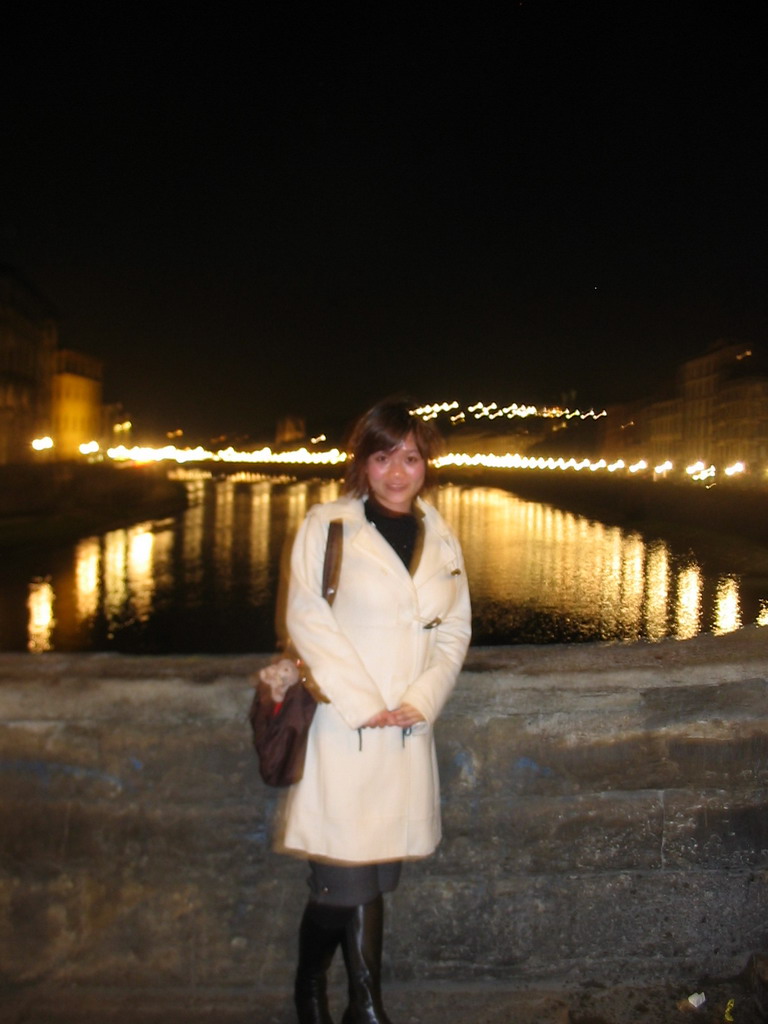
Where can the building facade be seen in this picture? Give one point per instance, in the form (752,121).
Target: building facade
(28,341)
(77,411)
(45,391)
(700,382)
(717,415)
(740,426)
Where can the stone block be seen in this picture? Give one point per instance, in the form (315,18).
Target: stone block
(716,831)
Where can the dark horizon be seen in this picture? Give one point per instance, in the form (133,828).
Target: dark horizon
(307,215)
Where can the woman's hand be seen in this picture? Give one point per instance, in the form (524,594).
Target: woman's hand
(379,721)
(406,716)
(403,717)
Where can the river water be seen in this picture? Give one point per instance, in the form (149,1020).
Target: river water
(206,581)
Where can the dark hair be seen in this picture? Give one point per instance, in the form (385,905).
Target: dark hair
(382,429)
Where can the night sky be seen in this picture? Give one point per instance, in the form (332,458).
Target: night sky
(300,209)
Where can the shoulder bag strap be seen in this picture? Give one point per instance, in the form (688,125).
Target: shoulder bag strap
(332,562)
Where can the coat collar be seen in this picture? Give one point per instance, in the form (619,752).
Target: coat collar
(437,553)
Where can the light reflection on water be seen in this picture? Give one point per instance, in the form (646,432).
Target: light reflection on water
(41,620)
(207,581)
(550,575)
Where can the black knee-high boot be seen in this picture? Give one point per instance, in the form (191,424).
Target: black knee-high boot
(320,932)
(361,945)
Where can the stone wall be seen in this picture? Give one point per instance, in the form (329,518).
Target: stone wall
(604,816)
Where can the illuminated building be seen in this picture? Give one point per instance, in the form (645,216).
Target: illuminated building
(741,421)
(665,429)
(28,338)
(76,402)
(621,432)
(717,413)
(700,381)
(290,428)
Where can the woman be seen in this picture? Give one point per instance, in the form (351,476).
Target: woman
(386,655)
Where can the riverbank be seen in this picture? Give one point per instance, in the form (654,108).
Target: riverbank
(53,504)
(631,502)
(725,525)
(50,505)
(670,509)
(728,520)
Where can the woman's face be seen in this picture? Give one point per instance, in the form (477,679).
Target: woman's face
(396,477)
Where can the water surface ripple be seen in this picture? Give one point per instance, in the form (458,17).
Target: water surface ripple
(208,580)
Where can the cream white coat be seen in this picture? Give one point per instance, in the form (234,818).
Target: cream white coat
(373,794)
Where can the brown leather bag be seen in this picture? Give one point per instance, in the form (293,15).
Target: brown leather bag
(280,738)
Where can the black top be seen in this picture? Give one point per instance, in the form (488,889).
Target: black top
(402,530)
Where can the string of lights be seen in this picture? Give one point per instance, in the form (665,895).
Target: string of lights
(265,455)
